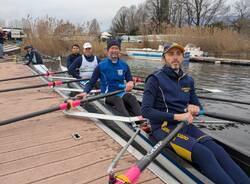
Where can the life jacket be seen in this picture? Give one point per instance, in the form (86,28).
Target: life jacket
(86,69)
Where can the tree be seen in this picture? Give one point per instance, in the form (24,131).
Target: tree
(119,21)
(94,27)
(64,28)
(203,12)
(132,21)
(177,12)
(159,13)
(241,15)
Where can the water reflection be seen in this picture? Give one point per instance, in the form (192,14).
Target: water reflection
(233,80)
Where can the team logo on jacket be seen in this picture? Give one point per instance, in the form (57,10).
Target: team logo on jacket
(185,89)
(120,72)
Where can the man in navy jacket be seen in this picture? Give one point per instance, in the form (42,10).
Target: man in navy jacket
(75,49)
(33,56)
(169,98)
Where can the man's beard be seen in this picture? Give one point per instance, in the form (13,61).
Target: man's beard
(174,66)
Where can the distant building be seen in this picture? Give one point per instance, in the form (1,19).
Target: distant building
(105,36)
(14,33)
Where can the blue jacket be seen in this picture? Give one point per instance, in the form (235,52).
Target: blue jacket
(71,58)
(34,57)
(111,75)
(74,67)
(167,93)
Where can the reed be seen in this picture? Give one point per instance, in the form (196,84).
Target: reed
(55,37)
(212,40)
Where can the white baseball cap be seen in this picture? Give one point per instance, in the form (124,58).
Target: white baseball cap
(87,45)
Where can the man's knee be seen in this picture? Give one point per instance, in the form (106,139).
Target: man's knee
(200,153)
(129,97)
(215,148)
(114,100)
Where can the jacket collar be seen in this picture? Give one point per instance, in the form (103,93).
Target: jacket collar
(171,73)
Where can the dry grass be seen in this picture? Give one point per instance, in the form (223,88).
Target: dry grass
(55,38)
(212,40)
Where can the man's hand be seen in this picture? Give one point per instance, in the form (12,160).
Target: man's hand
(193,109)
(129,86)
(184,117)
(81,96)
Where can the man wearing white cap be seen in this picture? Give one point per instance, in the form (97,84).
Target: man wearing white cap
(84,66)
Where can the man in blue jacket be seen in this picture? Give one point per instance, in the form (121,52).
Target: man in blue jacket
(169,97)
(83,67)
(75,49)
(33,56)
(113,72)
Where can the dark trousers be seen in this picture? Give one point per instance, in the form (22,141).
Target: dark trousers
(211,158)
(127,105)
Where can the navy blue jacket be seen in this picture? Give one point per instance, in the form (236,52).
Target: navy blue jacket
(167,93)
(111,75)
(74,67)
(33,57)
(2,37)
(71,58)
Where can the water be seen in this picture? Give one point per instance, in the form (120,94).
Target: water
(233,80)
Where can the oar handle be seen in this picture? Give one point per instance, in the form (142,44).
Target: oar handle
(132,175)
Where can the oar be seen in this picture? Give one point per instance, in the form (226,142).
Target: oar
(212,122)
(133,174)
(77,90)
(32,76)
(139,80)
(225,117)
(223,100)
(140,88)
(104,116)
(210,90)
(64,106)
(50,84)
(120,154)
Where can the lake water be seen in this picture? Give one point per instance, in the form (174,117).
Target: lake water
(233,80)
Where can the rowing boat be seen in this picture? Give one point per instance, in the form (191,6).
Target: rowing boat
(169,166)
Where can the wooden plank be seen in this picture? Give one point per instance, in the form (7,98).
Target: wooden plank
(42,149)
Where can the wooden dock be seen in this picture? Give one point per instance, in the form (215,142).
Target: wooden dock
(11,48)
(214,60)
(42,149)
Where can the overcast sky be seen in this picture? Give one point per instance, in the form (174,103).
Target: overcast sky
(77,11)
